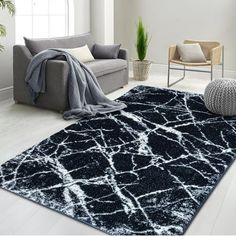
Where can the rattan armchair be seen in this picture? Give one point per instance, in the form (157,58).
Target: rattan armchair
(213,51)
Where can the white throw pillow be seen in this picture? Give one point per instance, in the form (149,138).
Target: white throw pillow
(191,53)
(82,54)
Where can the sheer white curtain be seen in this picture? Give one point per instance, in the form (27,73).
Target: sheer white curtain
(43,18)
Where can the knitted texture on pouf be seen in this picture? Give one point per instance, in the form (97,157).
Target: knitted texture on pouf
(220,97)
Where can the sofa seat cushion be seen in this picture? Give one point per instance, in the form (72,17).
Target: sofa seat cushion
(102,67)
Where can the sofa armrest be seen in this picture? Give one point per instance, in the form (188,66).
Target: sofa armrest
(21,60)
(21,50)
(57,71)
(123,54)
(56,95)
(56,81)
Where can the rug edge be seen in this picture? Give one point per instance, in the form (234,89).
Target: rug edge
(208,196)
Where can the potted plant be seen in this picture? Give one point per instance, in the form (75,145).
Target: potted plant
(11,9)
(141,66)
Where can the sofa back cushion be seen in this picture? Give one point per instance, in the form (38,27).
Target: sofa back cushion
(37,45)
(82,54)
(106,51)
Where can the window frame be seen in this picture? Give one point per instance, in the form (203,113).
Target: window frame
(69,20)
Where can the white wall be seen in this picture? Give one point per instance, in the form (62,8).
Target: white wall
(6,56)
(109,21)
(102,21)
(81,16)
(172,21)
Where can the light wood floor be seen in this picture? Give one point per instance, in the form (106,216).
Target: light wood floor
(22,126)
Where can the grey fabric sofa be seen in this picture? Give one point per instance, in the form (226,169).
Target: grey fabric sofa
(111,74)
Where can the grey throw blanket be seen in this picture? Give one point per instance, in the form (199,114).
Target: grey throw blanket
(86,97)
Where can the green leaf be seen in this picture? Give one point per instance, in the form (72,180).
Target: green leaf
(6,4)
(2,31)
(1,48)
(143,40)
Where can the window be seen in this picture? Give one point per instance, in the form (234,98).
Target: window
(41,18)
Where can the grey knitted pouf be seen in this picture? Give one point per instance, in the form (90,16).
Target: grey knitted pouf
(220,97)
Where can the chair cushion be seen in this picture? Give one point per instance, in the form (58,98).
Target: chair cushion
(106,51)
(102,67)
(37,45)
(191,53)
(206,46)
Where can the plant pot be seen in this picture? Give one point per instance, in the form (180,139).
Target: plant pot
(141,69)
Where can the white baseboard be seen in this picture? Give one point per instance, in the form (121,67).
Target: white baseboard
(6,93)
(163,69)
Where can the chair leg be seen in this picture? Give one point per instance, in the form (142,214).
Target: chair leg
(212,69)
(223,71)
(223,62)
(168,78)
(178,80)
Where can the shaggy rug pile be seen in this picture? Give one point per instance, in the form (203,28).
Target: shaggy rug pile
(146,170)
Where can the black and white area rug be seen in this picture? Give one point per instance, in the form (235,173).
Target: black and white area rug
(144,171)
